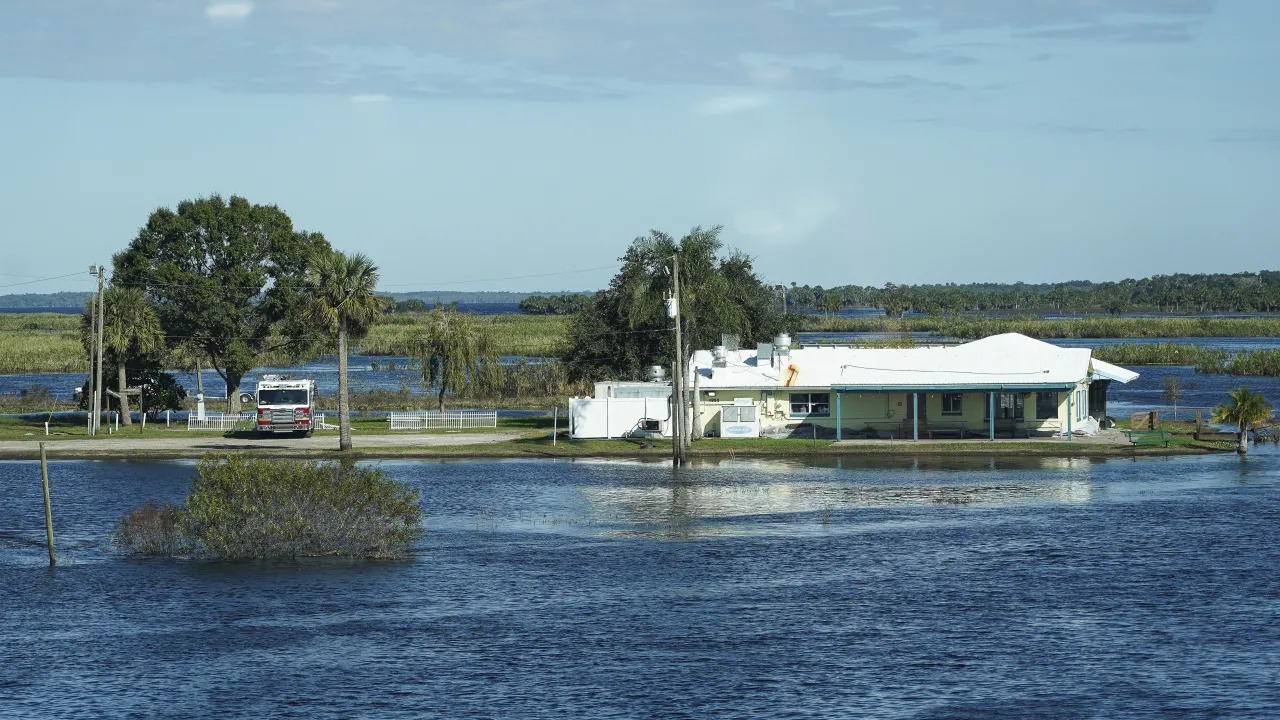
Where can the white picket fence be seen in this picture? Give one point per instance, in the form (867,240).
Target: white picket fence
(447,420)
(219,422)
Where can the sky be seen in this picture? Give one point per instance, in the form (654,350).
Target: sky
(521,144)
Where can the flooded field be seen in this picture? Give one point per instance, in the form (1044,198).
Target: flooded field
(895,588)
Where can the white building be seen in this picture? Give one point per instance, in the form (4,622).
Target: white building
(1004,385)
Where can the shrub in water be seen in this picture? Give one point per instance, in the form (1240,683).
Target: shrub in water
(242,508)
(153,529)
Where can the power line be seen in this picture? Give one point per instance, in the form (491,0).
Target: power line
(32,282)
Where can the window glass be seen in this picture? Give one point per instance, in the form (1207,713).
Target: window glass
(729,414)
(811,404)
(282,397)
(1009,406)
(952,403)
(1046,406)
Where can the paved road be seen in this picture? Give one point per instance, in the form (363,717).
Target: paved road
(195,444)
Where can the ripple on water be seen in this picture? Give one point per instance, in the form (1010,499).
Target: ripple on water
(874,587)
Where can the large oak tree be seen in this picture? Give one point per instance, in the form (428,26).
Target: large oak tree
(227,278)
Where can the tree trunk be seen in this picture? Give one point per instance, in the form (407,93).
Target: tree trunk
(440,396)
(344,402)
(233,393)
(121,384)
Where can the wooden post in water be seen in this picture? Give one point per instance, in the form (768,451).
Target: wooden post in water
(48,510)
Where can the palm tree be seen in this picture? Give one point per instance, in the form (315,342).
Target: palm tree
(1246,410)
(452,348)
(343,301)
(131,329)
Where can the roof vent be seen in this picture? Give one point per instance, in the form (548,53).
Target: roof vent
(656,373)
(719,356)
(764,353)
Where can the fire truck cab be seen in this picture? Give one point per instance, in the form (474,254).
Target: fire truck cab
(286,405)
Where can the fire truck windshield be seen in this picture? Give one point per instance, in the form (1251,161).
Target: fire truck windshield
(282,397)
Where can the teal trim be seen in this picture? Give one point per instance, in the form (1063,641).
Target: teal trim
(915,416)
(1070,395)
(991,424)
(837,416)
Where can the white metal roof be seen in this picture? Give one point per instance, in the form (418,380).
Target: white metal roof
(1000,361)
(1106,371)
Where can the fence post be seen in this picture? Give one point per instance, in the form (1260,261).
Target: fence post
(48,509)
(555,423)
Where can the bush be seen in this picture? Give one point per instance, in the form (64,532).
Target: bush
(243,508)
(153,529)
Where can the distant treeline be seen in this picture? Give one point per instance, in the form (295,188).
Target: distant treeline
(43,300)
(553,304)
(447,296)
(1240,292)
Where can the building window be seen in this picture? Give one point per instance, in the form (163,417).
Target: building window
(1046,406)
(738,413)
(952,403)
(1008,407)
(811,404)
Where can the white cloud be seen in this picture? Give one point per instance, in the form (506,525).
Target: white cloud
(228,11)
(371,98)
(727,104)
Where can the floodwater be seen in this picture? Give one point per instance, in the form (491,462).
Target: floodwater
(878,588)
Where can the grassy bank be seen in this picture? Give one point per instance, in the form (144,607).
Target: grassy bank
(534,441)
(972,328)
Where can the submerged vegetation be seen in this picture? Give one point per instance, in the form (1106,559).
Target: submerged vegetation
(241,508)
(1202,358)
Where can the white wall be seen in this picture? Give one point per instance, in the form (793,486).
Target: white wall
(615,417)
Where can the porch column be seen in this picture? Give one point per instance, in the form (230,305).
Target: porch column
(1069,411)
(837,416)
(991,420)
(915,416)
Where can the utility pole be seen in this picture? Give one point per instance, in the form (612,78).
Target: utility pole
(97,403)
(677,385)
(783,288)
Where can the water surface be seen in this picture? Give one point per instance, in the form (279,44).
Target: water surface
(895,588)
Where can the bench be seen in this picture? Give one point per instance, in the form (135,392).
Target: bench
(1010,426)
(1148,437)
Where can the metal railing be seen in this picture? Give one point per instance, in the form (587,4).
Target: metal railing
(219,422)
(448,420)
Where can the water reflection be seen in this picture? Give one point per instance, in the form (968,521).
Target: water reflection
(682,510)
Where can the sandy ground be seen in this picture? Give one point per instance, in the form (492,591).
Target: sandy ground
(198,444)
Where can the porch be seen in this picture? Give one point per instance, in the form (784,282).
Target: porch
(934,413)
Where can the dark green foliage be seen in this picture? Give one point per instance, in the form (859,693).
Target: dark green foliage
(225,275)
(412,305)
(242,508)
(1182,293)
(553,305)
(624,328)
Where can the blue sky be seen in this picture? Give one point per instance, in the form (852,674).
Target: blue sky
(485,144)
